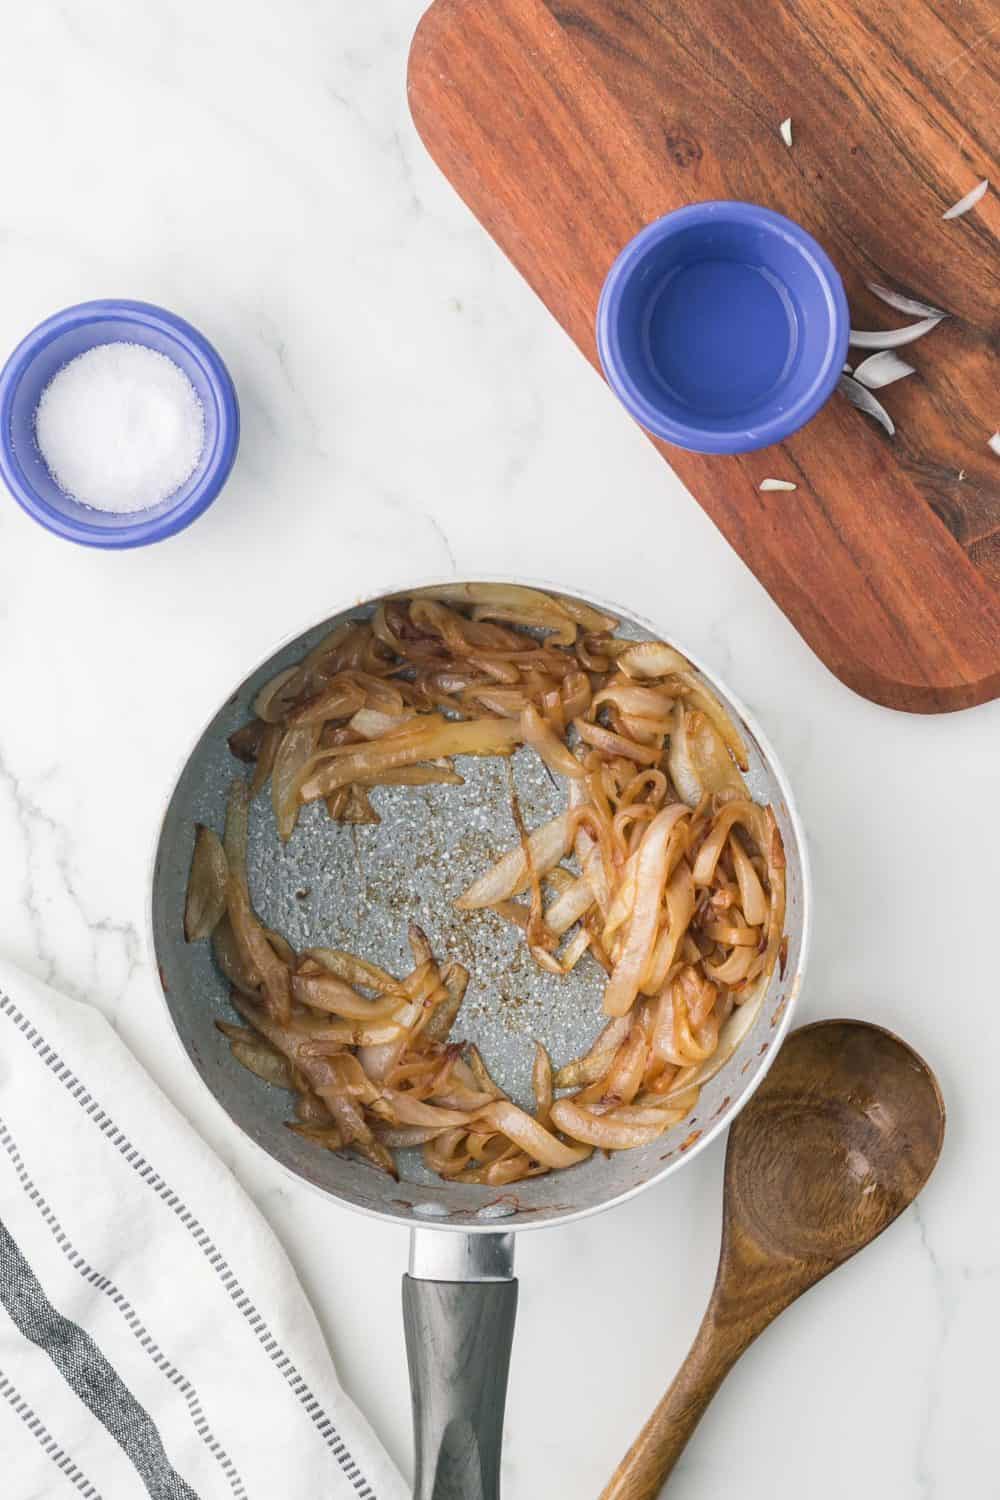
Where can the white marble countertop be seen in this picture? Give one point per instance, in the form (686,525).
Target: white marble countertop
(410,408)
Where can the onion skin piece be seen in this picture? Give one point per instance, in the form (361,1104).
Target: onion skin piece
(549,844)
(206,893)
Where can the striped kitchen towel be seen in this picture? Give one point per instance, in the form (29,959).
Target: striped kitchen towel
(154,1340)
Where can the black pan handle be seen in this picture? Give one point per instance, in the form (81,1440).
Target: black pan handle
(459,1307)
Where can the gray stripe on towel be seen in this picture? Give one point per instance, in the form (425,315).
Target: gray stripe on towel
(88,1373)
(93,1112)
(146,1342)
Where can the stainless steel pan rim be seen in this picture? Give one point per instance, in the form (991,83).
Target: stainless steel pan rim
(498,1215)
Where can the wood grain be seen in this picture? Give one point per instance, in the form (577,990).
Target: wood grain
(839,1139)
(568,125)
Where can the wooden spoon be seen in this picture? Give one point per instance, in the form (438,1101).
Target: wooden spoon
(839,1139)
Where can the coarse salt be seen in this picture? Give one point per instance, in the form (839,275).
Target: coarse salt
(120,428)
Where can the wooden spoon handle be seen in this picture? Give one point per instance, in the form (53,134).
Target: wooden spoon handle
(651,1458)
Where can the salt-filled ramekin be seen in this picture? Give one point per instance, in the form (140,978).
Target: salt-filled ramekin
(53,344)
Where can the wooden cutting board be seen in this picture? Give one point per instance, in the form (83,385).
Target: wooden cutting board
(568,124)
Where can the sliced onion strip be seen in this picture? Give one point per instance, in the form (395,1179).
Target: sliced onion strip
(882,369)
(891,338)
(509,876)
(969,201)
(652,871)
(863,399)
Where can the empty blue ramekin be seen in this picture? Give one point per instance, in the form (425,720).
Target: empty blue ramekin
(44,352)
(723,327)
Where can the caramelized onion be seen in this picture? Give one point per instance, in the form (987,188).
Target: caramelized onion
(525,1131)
(617,744)
(651,872)
(294,752)
(681,902)
(556,755)
(509,876)
(480,737)
(206,892)
(699,760)
(605,1131)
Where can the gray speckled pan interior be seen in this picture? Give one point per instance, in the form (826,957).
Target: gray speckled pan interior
(359,887)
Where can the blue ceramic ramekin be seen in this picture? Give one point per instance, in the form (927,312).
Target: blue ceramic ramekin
(61,338)
(723,327)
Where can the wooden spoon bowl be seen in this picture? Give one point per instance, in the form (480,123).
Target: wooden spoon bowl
(839,1139)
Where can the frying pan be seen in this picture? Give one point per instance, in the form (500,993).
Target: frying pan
(358,888)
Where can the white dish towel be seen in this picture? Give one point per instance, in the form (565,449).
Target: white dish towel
(154,1340)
